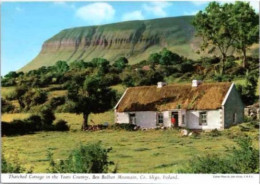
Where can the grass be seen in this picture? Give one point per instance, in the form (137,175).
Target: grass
(5,91)
(152,151)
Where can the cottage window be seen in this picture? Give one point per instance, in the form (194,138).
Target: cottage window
(159,118)
(132,118)
(203,118)
(234,118)
(183,119)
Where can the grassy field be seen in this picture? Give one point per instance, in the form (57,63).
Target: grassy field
(153,151)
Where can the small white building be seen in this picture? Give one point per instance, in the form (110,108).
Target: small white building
(198,105)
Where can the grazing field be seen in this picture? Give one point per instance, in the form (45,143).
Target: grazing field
(153,151)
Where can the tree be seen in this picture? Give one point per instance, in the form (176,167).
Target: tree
(213,25)
(61,67)
(11,74)
(245,26)
(121,63)
(93,96)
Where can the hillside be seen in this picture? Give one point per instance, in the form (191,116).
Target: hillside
(135,40)
(132,39)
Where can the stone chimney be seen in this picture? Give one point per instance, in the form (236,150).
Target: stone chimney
(161,84)
(196,83)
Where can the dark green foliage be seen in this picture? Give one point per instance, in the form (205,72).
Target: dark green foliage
(7,167)
(57,101)
(124,126)
(248,90)
(61,125)
(6,106)
(61,67)
(186,67)
(242,159)
(121,63)
(94,96)
(11,74)
(33,97)
(47,117)
(215,133)
(91,158)
(78,65)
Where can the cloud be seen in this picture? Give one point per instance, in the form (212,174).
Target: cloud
(135,15)
(96,13)
(157,8)
(64,4)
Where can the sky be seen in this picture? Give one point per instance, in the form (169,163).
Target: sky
(26,25)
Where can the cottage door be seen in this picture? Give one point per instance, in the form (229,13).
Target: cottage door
(175,119)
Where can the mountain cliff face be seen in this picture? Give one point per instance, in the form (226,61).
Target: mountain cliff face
(135,40)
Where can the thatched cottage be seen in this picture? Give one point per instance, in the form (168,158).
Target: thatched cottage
(195,106)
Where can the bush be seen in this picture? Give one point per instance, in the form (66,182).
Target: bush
(123,126)
(61,125)
(6,106)
(244,159)
(91,158)
(215,133)
(57,101)
(47,117)
(8,167)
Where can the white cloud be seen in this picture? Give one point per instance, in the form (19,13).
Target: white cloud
(96,13)
(157,8)
(135,15)
(64,4)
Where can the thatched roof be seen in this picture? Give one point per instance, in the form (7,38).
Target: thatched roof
(207,96)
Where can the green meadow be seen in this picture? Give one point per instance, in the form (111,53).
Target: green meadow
(151,151)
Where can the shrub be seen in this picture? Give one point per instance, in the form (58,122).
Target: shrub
(241,159)
(47,117)
(6,106)
(8,167)
(215,133)
(91,158)
(61,125)
(124,126)
(57,101)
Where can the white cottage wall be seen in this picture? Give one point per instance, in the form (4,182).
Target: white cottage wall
(122,117)
(146,119)
(213,120)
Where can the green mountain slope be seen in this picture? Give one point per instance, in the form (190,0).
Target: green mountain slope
(135,40)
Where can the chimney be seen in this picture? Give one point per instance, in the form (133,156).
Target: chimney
(196,83)
(161,84)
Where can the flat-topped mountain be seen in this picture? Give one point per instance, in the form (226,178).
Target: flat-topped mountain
(135,40)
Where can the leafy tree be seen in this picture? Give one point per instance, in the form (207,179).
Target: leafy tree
(33,97)
(47,117)
(91,158)
(61,67)
(169,58)
(213,25)
(245,25)
(248,90)
(93,96)
(121,63)
(11,74)
(78,65)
